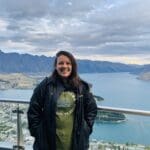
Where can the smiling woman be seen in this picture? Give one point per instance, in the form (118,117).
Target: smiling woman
(62,109)
(64,66)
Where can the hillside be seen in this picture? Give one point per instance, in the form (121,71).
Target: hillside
(17,81)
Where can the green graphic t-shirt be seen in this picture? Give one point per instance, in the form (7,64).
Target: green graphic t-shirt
(64,120)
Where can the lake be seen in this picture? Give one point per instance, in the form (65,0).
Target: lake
(118,90)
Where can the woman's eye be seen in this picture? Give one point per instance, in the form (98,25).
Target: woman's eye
(60,63)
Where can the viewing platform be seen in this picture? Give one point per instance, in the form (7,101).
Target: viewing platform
(14,134)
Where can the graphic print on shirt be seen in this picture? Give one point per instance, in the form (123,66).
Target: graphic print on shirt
(65,103)
(64,120)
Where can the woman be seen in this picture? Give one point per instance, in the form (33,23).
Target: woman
(62,110)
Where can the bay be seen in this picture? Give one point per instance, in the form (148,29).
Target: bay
(118,90)
(126,91)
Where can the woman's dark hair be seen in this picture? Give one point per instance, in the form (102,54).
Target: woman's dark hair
(73,78)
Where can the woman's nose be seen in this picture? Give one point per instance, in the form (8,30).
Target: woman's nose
(64,65)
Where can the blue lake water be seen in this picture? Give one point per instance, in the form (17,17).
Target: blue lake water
(118,90)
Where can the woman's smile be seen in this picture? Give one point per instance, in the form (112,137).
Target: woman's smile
(64,66)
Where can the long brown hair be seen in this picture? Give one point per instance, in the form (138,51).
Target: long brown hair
(74,78)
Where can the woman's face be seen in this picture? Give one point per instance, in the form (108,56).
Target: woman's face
(64,66)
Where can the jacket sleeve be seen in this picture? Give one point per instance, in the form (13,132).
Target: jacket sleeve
(90,108)
(34,113)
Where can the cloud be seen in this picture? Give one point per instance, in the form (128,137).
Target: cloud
(17,9)
(97,28)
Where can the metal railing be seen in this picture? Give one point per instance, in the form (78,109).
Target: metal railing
(18,111)
(115,109)
(123,110)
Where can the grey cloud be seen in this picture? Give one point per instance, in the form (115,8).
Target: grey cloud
(23,9)
(54,8)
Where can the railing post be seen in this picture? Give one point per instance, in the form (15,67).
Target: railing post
(20,141)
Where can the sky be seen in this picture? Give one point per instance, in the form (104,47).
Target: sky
(106,30)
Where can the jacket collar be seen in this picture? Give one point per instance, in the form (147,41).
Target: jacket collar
(51,80)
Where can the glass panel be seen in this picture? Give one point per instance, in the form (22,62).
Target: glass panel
(111,130)
(118,130)
(8,125)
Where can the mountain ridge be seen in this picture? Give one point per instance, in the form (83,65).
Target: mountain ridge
(26,63)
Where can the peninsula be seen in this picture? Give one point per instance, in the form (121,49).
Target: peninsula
(16,81)
(110,117)
(144,76)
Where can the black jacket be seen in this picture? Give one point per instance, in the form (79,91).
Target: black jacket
(41,115)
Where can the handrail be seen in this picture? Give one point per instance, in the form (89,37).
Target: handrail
(106,108)
(125,110)
(20,101)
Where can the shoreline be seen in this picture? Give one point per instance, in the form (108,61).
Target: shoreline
(17,81)
(104,145)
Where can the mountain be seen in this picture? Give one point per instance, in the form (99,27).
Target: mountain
(14,62)
(25,63)
(87,66)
